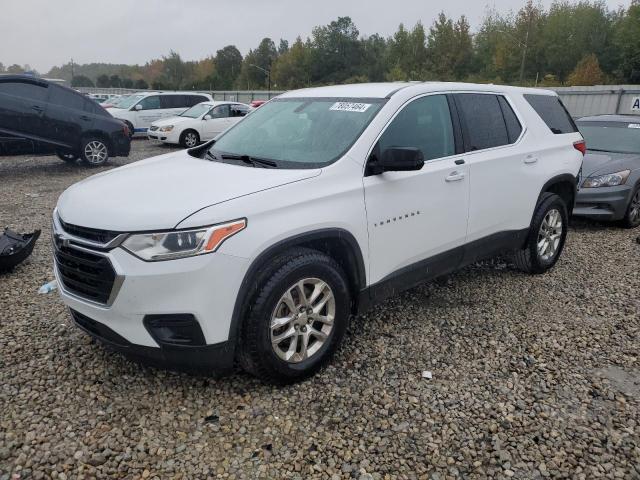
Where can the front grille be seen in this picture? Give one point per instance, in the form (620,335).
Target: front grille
(153,128)
(85,274)
(93,234)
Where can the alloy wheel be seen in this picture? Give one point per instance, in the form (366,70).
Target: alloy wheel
(634,208)
(549,235)
(302,320)
(190,140)
(95,152)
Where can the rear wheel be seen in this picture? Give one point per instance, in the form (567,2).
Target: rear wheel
(546,237)
(189,139)
(297,318)
(66,156)
(94,152)
(632,217)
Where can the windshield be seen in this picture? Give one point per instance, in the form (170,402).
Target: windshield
(614,137)
(196,110)
(128,102)
(300,132)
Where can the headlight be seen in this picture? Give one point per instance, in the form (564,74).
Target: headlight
(167,128)
(607,180)
(154,247)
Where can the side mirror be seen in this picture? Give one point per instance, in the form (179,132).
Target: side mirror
(397,159)
(207,117)
(138,107)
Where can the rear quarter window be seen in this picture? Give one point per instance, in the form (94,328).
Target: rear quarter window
(552,112)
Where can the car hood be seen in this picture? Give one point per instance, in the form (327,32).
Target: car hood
(160,192)
(172,121)
(608,162)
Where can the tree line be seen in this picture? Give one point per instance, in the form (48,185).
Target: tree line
(583,43)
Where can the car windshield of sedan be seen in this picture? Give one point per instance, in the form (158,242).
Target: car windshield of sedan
(299,132)
(196,111)
(129,101)
(615,137)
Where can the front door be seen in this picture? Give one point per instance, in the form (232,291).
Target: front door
(417,220)
(218,122)
(148,112)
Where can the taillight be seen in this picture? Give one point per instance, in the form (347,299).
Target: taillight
(125,129)
(581,146)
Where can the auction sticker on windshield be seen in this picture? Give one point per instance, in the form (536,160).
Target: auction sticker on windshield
(350,107)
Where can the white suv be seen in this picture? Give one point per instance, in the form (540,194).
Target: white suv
(140,110)
(259,246)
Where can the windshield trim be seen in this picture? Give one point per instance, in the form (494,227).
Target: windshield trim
(287,164)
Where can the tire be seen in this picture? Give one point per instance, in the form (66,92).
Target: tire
(282,362)
(130,127)
(94,151)
(632,215)
(189,139)
(67,157)
(531,259)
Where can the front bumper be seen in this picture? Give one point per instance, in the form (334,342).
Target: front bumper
(218,358)
(204,287)
(163,137)
(603,203)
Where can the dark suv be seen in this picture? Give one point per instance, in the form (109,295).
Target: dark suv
(74,125)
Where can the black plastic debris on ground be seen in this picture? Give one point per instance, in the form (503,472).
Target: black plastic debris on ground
(15,248)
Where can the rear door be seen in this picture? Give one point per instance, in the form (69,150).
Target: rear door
(22,105)
(218,122)
(66,116)
(503,175)
(173,104)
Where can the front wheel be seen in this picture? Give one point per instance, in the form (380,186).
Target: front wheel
(546,237)
(632,216)
(189,139)
(95,152)
(297,318)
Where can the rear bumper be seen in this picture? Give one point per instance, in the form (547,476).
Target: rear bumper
(217,358)
(604,203)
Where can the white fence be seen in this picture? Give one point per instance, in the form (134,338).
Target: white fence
(616,99)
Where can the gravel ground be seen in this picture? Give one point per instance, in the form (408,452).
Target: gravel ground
(533,377)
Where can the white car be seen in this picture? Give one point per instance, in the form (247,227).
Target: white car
(200,123)
(140,110)
(260,246)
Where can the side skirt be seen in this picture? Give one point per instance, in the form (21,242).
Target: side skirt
(441,264)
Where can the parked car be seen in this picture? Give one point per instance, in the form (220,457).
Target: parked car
(51,114)
(611,186)
(140,110)
(260,245)
(257,103)
(201,122)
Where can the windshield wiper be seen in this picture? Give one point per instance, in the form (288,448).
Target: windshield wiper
(256,162)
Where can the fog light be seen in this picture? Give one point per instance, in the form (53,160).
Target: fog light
(178,330)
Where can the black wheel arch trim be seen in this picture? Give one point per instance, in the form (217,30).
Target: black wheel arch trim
(247,287)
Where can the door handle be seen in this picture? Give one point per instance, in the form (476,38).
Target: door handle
(530,159)
(37,108)
(85,118)
(454,176)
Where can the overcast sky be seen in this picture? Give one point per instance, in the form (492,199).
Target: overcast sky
(45,33)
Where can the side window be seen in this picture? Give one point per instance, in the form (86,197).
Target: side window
(514,129)
(150,103)
(482,120)
(196,99)
(425,124)
(24,90)
(64,98)
(221,111)
(552,111)
(173,101)
(239,110)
